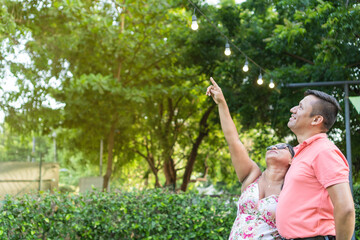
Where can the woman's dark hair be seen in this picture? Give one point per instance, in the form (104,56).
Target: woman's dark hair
(291,150)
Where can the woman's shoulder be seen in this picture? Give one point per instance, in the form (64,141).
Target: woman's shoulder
(251,179)
(251,184)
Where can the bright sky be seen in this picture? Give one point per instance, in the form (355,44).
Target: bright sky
(8,82)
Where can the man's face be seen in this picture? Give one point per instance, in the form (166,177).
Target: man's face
(300,119)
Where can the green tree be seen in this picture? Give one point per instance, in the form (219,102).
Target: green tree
(311,41)
(17,147)
(111,61)
(317,41)
(133,74)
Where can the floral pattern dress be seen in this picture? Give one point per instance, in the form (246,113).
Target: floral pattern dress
(255,217)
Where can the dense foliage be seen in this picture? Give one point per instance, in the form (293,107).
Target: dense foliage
(151,214)
(136,215)
(133,74)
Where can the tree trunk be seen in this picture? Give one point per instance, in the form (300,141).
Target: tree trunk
(203,131)
(111,140)
(154,170)
(157,183)
(151,161)
(168,144)
(170,172)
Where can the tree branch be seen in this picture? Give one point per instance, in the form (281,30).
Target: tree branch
(300,58)
(353,65)
(151,65)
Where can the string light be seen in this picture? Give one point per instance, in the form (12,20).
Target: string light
(227,49)
(260,79)
(246,66)
(194,24)
(271,84)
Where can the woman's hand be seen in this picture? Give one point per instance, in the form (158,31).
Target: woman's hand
(215,92)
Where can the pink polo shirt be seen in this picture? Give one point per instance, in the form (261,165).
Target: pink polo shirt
(304,208)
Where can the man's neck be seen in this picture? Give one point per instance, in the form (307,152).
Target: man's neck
(302,137)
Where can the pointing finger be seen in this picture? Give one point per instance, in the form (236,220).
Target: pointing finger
(213,82)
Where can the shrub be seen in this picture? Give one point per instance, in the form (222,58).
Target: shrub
(152,214)
(136,215)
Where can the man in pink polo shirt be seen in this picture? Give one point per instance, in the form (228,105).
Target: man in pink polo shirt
(316,200)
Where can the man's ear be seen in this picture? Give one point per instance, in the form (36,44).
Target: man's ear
(317,120)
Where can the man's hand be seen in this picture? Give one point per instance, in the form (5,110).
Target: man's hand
(215,92)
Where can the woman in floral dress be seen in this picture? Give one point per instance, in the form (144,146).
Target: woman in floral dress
(260,190)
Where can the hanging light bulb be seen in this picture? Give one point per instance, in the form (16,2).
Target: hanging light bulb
(194,24)
(246,66)
(260,80)
(271,84)
(227,49)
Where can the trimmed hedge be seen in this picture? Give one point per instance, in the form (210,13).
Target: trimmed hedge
(152,214)
(137,215)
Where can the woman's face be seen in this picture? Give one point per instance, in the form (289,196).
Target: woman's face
(281,151)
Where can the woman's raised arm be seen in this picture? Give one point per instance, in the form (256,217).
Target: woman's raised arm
(246,169)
